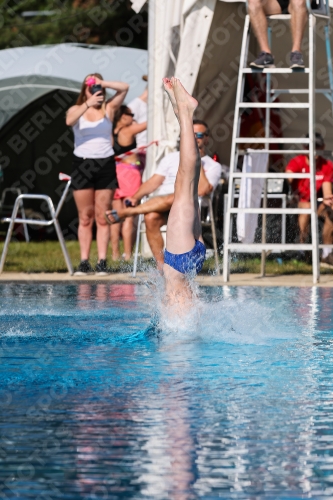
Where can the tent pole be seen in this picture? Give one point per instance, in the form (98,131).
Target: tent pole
(151,152)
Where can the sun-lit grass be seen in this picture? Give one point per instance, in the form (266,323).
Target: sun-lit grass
(272,266)
(275,266)
(40,256)
(47,257)
(36,257)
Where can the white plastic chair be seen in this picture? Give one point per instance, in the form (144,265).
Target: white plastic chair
(209,221)
(13,219)
(4,207)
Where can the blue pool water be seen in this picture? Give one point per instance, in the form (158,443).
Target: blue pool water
(97,400)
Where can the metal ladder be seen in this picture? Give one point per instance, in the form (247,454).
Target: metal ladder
(322,11)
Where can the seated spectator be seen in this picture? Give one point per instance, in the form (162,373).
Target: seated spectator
(324,178)
(259,9)
(156,209)
(129,172)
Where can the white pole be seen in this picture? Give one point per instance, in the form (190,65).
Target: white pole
(312,138)
(151,152)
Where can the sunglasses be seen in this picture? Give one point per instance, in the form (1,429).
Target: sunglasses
(200,135)
(127,113)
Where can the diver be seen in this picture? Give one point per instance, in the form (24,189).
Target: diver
(185,252)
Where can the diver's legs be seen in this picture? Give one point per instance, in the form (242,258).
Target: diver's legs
(184,226)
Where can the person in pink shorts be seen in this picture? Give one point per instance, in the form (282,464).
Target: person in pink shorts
(129,173)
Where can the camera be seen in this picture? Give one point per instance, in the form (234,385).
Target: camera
(96,88)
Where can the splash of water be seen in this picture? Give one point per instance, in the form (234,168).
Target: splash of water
(219,319)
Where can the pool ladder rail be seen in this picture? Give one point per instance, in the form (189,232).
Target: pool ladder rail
(323,12)
(54,212)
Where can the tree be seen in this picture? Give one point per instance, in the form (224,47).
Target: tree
(105,22)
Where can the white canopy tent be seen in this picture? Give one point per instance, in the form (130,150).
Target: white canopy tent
(199,41)
(27,73)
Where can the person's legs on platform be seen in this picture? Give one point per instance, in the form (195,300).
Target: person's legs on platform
(154,221)
(299,16)
(258,10)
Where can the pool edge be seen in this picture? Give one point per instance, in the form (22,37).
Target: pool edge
(246,279)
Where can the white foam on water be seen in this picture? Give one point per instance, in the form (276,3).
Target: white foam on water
(215,315)
(16,332)
(219,319)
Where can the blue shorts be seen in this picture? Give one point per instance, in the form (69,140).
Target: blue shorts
(187,262)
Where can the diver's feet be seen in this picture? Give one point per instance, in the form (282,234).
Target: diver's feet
(184,100)
(169,90)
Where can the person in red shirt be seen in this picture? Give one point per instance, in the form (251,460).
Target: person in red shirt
(301,187)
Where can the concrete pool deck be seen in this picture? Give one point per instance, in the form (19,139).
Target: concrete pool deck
(246,279)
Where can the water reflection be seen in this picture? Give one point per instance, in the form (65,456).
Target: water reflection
(171,445)
(89,409)
(89,294)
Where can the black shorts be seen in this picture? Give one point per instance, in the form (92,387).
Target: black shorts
(95,173)
(284,6)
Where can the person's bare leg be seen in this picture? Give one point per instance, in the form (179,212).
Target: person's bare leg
(84,200)
(258,10)
(299,16)
(156,204)
(103,200)
(183,219)
(127,232)
(327,230)
(183,226)
(303,223)
(154,221)
(115,231)
(259,24)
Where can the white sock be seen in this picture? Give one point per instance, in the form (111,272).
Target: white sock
(326,252)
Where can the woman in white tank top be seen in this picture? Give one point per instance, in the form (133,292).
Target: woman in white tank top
(94,172)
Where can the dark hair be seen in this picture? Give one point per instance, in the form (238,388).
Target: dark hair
(201,122)
(119,113)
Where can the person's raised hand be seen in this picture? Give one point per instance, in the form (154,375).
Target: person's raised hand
(98,81)
(96,99)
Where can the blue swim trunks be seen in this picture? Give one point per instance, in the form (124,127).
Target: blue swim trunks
(187,262)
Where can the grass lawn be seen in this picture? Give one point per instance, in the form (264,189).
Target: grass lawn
(47,257)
